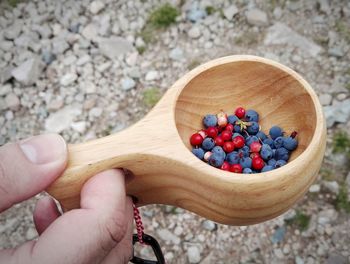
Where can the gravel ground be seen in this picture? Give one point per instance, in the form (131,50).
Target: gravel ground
(87,69)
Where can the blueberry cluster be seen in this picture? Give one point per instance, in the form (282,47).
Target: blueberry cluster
(236,143)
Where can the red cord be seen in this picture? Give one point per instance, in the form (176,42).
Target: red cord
(139,225)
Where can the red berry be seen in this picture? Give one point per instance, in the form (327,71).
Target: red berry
(255,146)
(226,135)
(225,166)
(238,142)
(257,163)
(254,154)
(219,141)
(196,139)
(207,155)
(202,133)
(229,127)
(240,112)
(212,132)
(229,146)
(236,168)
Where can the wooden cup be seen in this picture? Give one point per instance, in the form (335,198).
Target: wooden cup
(157,149)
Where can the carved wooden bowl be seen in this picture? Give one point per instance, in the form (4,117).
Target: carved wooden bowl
(157,150)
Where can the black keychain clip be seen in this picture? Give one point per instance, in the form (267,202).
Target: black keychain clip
(150,241)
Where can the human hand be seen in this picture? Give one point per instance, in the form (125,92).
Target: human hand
(99,232)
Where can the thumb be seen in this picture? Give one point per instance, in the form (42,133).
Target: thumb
(30,166)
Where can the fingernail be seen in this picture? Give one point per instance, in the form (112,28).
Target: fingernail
(44,149)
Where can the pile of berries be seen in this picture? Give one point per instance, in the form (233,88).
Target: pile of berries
(235,143)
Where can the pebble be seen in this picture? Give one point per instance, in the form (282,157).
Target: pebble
(209,225)
(90,32)
(59,46)
(194,32)
(5,89)
(278,235)
(299,260)
(61,120)
(278,253)
(12,101)
(178,231)
(114,47)
(95,112)
(127,83)
(6,74)
(79,126)
(96,7)
(166,235)
(48,57)
(286,249)
(336,52)
(193,255)
(336,259)
(68,79)
(56,104)
(28,72)
(83,60)
(338,112)
(257,17)
(230,12)
(176,54)
(315,188)
(195,14)
(331,186)
(325,99)
(152,75)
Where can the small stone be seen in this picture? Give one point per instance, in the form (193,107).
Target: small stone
(12,101)
(325,99)
(256,17)
(9,115)
(134,73)
(13,31)
(209,225)
(56,104)
(178,231)
(194,32)
(230,12)
(193,255)
(347,181)
(286,249)
(59,46)
(336,52)
(83,60)
(169,256)
(277,12)
(79,126)
(6,45)
(324,6)
(5,89)
(327,216)
(166,235)
(96,7)
(131,60)
(104,66)
(315,188)
(127,83)
(341,96)
(176,54)
(114,47)
(90,32)
(95,112)
(299,260)
(68,79)
(88,87)
(278,253)
(289,215)
(61,120)
(278,235)
(5,74)
(28,72)
(152,75)
(331,186)
(48,57)
(335,258)
(195,14)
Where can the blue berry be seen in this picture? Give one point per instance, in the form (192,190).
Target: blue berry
(210,121)
(232,119)
(253,128)
(247,171)
(266,152)
(251,115)
(237,129)
(290,143)
(198,152)
(208,143)
(232,157)
(270,142)
(271,162)
(246,162)
(282,154)
(278,142)
(245,150)
(218,150)
(261,135)
(267,168)
(250,139)
(280,163)
(275,132)
(216,160)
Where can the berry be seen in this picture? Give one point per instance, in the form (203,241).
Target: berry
(229,127)
(246,162)
(247,171)
(218,150)
(261,135)
(219,141)
(254,154)
(210,120)
(222,119)
(270,142)
(290,143)
(275,132)
(207,155)
(267,168)
(271,162)
(235,135)
(238,142)
(257,163)
(198,152)
(245,151)
(225,166)
(216,160)
(196,139)
(229,146)
(266,152)
(280,163)
(237,129)
(250,139)
(232,119)
(255,147)
(237,168)
(282,154)
(208,143)
(253,128)
(226,135)
(202,133)
(252,115)
(232,157)
(240,112)
(278,142)
(212,132)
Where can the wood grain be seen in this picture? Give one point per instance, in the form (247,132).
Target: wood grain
(156,149)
